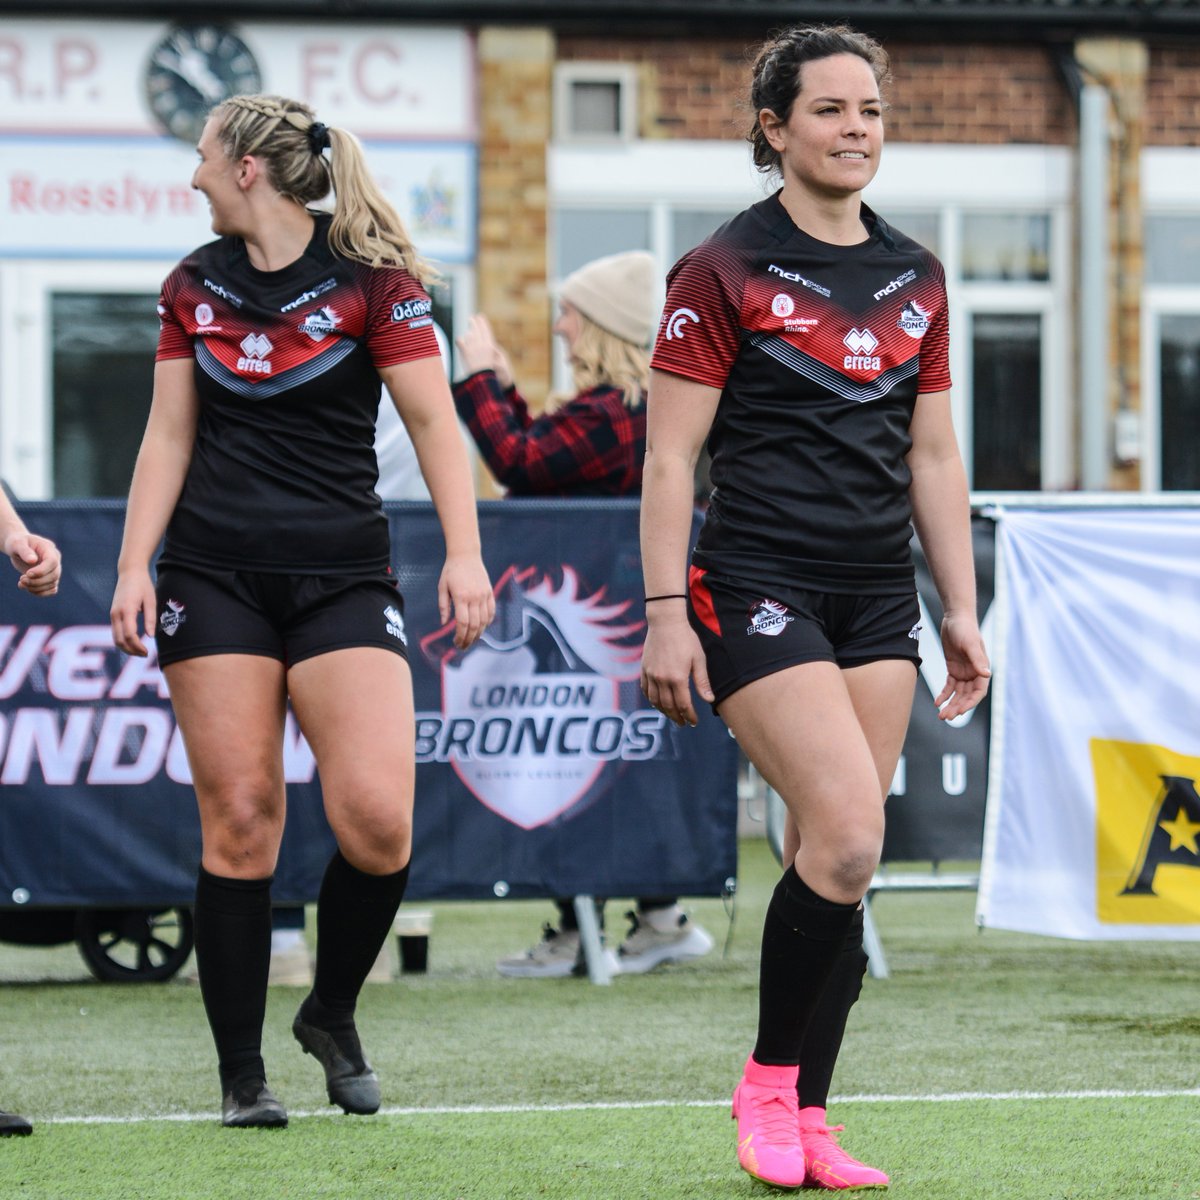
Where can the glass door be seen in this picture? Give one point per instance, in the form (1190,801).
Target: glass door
(78,342)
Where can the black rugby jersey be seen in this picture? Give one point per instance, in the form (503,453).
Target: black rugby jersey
(283,473)
(820,352)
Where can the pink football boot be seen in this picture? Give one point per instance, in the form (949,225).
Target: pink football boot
(828,1165)
(768,1125)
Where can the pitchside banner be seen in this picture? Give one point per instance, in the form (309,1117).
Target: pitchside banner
(542,771)
(1093,812)
(936,802)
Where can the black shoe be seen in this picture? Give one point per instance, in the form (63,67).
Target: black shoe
(249,1105)
(13,1126)
(349,1079)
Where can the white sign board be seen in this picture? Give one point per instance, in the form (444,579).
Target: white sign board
(131,197)
(380,81)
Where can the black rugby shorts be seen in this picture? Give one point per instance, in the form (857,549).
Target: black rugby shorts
(749,630)
(204,611)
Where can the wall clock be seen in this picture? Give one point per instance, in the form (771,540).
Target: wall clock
(192,69)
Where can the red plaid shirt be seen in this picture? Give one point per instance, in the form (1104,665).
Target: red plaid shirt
(591,446)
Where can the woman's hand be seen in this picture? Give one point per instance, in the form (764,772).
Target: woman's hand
(39,561)
(134,597)
(671,659)
(967,669)
(465,592)
(479,351)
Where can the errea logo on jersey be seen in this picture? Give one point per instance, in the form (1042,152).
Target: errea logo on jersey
(255,348)
(862,344)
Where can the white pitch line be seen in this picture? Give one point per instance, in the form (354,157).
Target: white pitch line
(633,1105)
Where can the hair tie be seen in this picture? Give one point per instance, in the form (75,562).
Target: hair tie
(318,137)
(665,596)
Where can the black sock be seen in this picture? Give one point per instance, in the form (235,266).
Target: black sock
(568,920)
(802,937)
(354,916)
(823,1038)
(233,955)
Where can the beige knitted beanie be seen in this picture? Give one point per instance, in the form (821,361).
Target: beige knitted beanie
(617,293)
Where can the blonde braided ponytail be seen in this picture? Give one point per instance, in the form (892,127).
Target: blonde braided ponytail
(279,131)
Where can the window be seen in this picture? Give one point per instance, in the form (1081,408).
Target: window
(922,227)
(595,102)
(1006,392)
(690,228)
(1006,247)
(582,234)
(103,373)
(1179,399)
(1173,250)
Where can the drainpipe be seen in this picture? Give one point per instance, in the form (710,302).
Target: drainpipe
(1092,310)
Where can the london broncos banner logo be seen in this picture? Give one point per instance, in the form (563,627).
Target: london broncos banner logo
(541,706)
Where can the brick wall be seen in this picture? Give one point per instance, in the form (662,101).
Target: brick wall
(1173,97)
(515,71)
(974,94)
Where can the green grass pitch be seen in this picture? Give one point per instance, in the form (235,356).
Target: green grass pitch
(989,1065)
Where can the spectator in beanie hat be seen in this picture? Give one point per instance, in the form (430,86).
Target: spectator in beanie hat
(590,443)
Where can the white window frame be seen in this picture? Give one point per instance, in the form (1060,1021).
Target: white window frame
(623,76)
(1158,302)
(27,355)
(1170,182)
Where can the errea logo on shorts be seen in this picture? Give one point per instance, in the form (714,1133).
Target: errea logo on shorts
(769,618)
(255,348)
(395,623)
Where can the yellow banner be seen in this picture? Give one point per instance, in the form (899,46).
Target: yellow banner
(1147,834)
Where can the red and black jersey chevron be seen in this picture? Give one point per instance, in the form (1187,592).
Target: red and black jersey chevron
(287,365)
(819,352)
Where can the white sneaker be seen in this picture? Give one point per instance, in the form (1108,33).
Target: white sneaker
(554,957)
(645,947)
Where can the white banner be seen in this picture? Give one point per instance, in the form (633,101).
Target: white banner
(1093,820)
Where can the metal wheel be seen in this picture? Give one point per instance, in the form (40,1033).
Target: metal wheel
(134,945)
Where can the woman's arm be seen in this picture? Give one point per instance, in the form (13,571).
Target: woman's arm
(158,476)
(941,514)
(422,398)
(679,415)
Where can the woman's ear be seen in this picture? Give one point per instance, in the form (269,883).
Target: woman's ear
(248,171)
(772,128)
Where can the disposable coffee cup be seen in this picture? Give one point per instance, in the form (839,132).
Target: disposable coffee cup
(412,928)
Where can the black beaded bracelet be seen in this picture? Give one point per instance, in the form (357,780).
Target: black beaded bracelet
(668,596)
